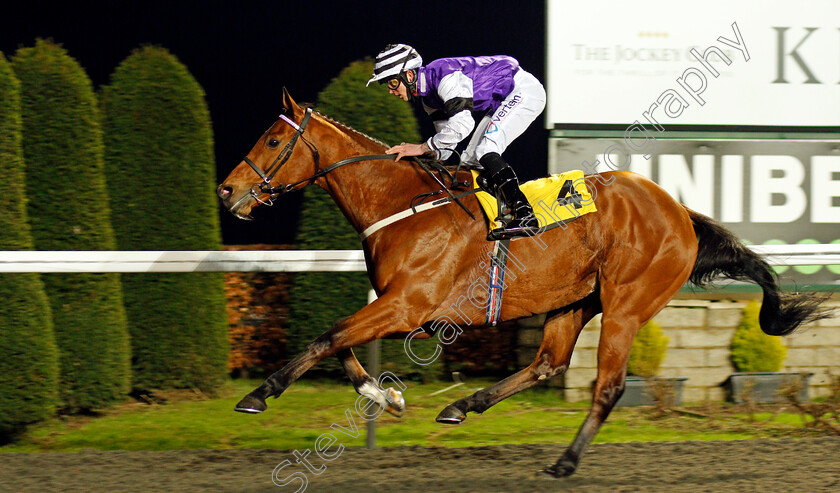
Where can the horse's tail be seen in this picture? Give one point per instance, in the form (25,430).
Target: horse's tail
(721,254)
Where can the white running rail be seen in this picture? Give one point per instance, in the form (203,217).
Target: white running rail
(289,260)
(184,261)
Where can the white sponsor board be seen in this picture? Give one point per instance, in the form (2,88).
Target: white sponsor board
(748,62)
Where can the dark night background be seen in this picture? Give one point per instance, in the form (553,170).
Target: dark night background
(243,53)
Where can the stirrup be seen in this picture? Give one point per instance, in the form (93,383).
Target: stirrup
(506,234)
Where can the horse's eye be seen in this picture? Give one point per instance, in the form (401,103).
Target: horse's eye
(272,143)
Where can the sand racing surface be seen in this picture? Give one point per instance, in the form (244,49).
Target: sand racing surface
(811,464)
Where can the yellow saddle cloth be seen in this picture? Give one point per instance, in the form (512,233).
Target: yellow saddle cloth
(555,199)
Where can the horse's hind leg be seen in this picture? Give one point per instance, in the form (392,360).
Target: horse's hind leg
(560,333)
(390,399)
(625,308)
(613,353)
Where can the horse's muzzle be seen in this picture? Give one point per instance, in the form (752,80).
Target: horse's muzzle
(226,194)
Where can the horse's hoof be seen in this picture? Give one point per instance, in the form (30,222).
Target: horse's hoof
(396,402)
(451,415)
(251,405)
(560,470)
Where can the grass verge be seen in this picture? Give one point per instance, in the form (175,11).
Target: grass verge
(309,409)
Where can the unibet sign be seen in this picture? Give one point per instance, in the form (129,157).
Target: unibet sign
(765,191)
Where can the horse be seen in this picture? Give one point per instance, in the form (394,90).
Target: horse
(626,261)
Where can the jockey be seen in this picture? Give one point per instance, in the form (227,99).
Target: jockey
(449,90)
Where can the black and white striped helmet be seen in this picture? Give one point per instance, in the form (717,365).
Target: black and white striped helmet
(394,60)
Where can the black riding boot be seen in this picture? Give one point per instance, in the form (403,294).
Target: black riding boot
(517,215)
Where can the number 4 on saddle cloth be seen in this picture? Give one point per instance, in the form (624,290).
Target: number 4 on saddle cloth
(556,200)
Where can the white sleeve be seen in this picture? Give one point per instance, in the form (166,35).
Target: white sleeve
(450,132)
(443,154)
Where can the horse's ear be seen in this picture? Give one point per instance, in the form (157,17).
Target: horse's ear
(289,104)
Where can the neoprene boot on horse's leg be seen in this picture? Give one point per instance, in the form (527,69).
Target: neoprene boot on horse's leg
(389,399)
(501,177)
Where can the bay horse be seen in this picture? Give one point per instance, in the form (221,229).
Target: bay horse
(626,261)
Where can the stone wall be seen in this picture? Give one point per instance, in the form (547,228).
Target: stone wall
(699,334)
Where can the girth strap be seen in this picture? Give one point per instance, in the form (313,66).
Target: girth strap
(496,283)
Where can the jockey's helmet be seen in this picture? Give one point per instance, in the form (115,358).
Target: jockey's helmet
(394,61)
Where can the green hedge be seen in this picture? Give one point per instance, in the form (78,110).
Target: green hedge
(69,210)
(161,179)
(752,349)
(28,354)
(319,299)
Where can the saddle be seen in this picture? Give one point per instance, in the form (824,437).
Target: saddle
(556,199)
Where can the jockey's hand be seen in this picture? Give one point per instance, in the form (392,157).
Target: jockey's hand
(408,150)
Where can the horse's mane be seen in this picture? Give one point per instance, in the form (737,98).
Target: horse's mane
(352,131)
(346,128)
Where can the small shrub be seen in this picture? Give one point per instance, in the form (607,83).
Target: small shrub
(752,350)
(821,416)
(648,351)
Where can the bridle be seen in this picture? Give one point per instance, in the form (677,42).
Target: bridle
(258,189)
(265,187)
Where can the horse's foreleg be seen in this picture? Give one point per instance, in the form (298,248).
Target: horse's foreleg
(280,380)
(390,399)
(382,317)
(560,332)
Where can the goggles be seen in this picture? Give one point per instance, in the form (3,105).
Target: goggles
(393,83)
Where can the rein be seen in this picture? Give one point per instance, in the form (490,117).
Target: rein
(265,186)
